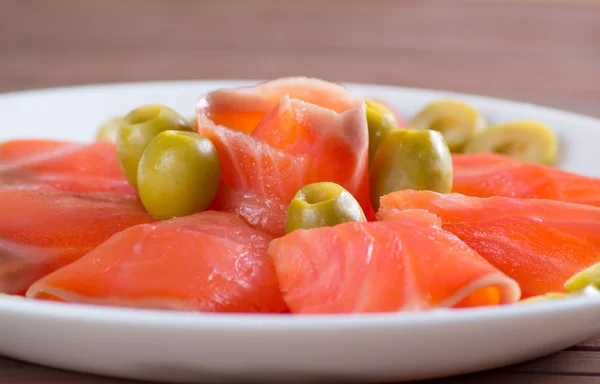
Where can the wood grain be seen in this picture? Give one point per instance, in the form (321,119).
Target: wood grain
(542,52)
(592,345)
(545,52)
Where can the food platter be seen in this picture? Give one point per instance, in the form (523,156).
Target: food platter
(194,347)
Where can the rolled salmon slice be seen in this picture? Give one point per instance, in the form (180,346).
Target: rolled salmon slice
(61,165)
(43,230)
(243,108)
(208,262)
(295,144)
(487,175)
(408,264)
(539,243)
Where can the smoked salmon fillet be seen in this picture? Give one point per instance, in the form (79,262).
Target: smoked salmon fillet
(409,264)
(62,165)
(486,175)
(43,230)
(242,108)
(294,143)
(539,243)
(208,262)
(264,213)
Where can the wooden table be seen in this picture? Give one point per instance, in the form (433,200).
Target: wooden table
(545,52)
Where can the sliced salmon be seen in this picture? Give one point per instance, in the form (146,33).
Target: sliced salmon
(13,151)
(486,175)
(209,262)
(265,213)
(539,243)
(43,230)
(62,165)
(295,143)
(242,108)
(409,264)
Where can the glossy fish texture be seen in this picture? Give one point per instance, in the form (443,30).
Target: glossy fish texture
(61,165)
(409,264)
(264,213)
(294,142)
(539,243)
(243,108)
(43,230)
(486,175)
(207,262)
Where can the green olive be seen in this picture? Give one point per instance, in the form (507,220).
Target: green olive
(192,122)
(406,159)
(380,121)
(547,296)
(589,276)
(179,174)
(140,126)
(455,120)
(322,204)
(109,130)
(522,140)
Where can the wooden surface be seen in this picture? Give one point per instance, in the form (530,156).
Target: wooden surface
(545,52)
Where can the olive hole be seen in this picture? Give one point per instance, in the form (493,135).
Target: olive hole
(143,114)
(511,147)
(320,192)
(443,125)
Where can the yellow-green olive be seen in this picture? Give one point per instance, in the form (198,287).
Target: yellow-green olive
(178,174)
(589,276)
(193,122)
(405,159)
(140,126)
(522,140)
(109,130)
(322,204)
(380,121)
(547,296)
(455,120)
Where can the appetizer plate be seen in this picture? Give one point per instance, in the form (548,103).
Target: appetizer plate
(192,347)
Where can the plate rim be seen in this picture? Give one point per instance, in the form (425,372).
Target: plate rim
(244,81)
(284,321)
(274,321)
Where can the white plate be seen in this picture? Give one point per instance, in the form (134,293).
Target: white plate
(184,347)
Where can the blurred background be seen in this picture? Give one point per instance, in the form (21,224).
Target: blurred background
(545,52)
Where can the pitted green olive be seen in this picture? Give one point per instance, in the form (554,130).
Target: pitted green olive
(179,174)
(589,276)
(140,126)
(405,159)
(380,121)
(321,205)
(546,297)
(109,130)
(456,121)
(522,140)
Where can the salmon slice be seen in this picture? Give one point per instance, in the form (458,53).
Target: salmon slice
(208,262)
(12,151)
(264,213)
(539,243)
(409,264)
(295,144)
(43,230)
(62,165)
(242,108)
(486,175)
